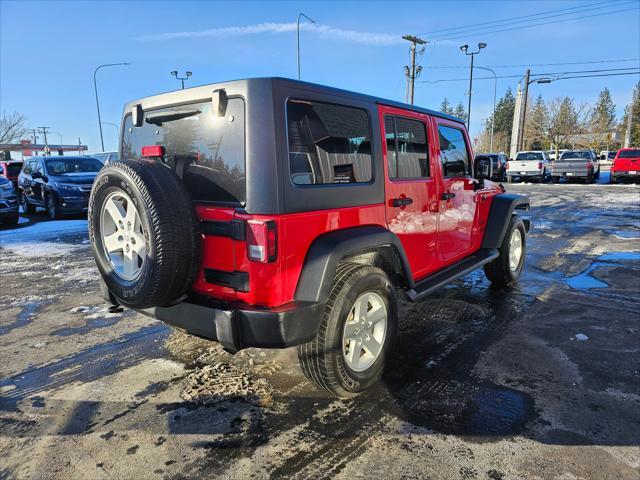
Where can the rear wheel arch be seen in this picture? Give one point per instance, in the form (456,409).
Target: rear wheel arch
(367,245)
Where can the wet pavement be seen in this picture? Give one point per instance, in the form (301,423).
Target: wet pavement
(541,380)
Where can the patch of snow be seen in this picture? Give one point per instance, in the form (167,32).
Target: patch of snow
(581,337)
(43,238)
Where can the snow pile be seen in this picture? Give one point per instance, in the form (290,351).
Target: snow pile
(53,238)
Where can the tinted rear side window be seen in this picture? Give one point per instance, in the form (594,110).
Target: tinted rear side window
(629,154)
(13,169)
(453,152)
(406,148)
(207,151)
(328,143)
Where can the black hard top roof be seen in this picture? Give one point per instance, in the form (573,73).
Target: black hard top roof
(307,86)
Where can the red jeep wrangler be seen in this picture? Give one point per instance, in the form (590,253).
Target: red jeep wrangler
(272,212)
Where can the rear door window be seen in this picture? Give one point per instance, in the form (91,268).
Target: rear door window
(407,155)
(206,151)
(454,154)
(328,144)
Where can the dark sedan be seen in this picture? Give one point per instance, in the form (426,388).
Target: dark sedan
(62,185)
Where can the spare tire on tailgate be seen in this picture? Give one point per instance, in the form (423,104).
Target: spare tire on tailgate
(144,233)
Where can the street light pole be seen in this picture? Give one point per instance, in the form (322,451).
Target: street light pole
(465,50)
(493,116)
(117,130)
(95,88)
(182,79)
(300,15)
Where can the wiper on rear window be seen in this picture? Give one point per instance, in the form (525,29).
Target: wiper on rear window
(159,118)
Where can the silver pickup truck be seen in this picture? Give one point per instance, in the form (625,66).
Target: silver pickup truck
(579,164)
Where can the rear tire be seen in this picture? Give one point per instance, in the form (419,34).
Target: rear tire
(509,179)
(53,207)
(506,269)
(156,226)
(328,361)
(12,220)
(590,178)
(555,179)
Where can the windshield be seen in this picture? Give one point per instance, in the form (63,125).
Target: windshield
(529,156)
(570,155)
(63,166)
(629,154)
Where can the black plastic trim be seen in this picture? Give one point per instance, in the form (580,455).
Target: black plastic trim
(238,326)
(234,229)
(239,281)
(437,280)
(502,208)
(324,254)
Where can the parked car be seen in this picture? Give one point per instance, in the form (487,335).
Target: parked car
(576,164)
(8,200)
(292,216)
(626,165)
(499,166)
(11,170)
(106,157)
(607,156)
(60,184)
(529,165)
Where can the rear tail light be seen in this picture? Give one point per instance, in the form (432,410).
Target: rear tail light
(589,164)
(539,165)
(153,151)
(262,241)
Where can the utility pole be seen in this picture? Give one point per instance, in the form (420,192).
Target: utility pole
(44,132)
(525,98)
(627,134)
(413,72)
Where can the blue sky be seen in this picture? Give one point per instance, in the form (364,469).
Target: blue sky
(48,51)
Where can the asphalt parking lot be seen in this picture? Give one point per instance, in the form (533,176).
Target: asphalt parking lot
(538,381)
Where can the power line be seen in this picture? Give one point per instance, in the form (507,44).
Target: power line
(464,30)
(546,74)
(536,25)
(540,64)
(535,74)
(511,18)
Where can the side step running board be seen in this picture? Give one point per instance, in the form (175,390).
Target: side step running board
(440,279)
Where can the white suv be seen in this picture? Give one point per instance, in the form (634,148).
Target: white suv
(530,164)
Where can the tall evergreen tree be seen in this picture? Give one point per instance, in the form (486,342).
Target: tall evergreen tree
(503,122)
(445,107)
(460,112)
(537,124)
(635,120)
(603,115)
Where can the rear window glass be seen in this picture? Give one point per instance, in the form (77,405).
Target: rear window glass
(567,155)
(328,143)
(529,156)
(206,151)
(629,154)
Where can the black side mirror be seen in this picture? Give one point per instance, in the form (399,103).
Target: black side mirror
(35,175)
(483,168)
(136,114)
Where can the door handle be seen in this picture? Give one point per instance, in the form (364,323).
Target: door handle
(401,202)
(447,196)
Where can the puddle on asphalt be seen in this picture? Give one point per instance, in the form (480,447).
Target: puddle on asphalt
(26,315)
(586,280)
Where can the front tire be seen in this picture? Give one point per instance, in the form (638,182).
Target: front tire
(26,206)
(506,269)
(356,334)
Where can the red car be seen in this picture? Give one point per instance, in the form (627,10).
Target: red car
(11,170)
(272,212)
(626,165)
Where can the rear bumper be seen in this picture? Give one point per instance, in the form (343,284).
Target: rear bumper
(519,173)
(238,326)
(577,174)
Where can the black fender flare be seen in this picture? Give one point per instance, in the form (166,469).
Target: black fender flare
(324,254)
(502,208)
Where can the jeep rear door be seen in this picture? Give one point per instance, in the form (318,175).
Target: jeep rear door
(410,187)
(457,206)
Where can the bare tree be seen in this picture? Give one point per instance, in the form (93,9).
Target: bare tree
(565,120)
(12,127)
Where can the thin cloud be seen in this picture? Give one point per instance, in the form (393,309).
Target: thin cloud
(324,31)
